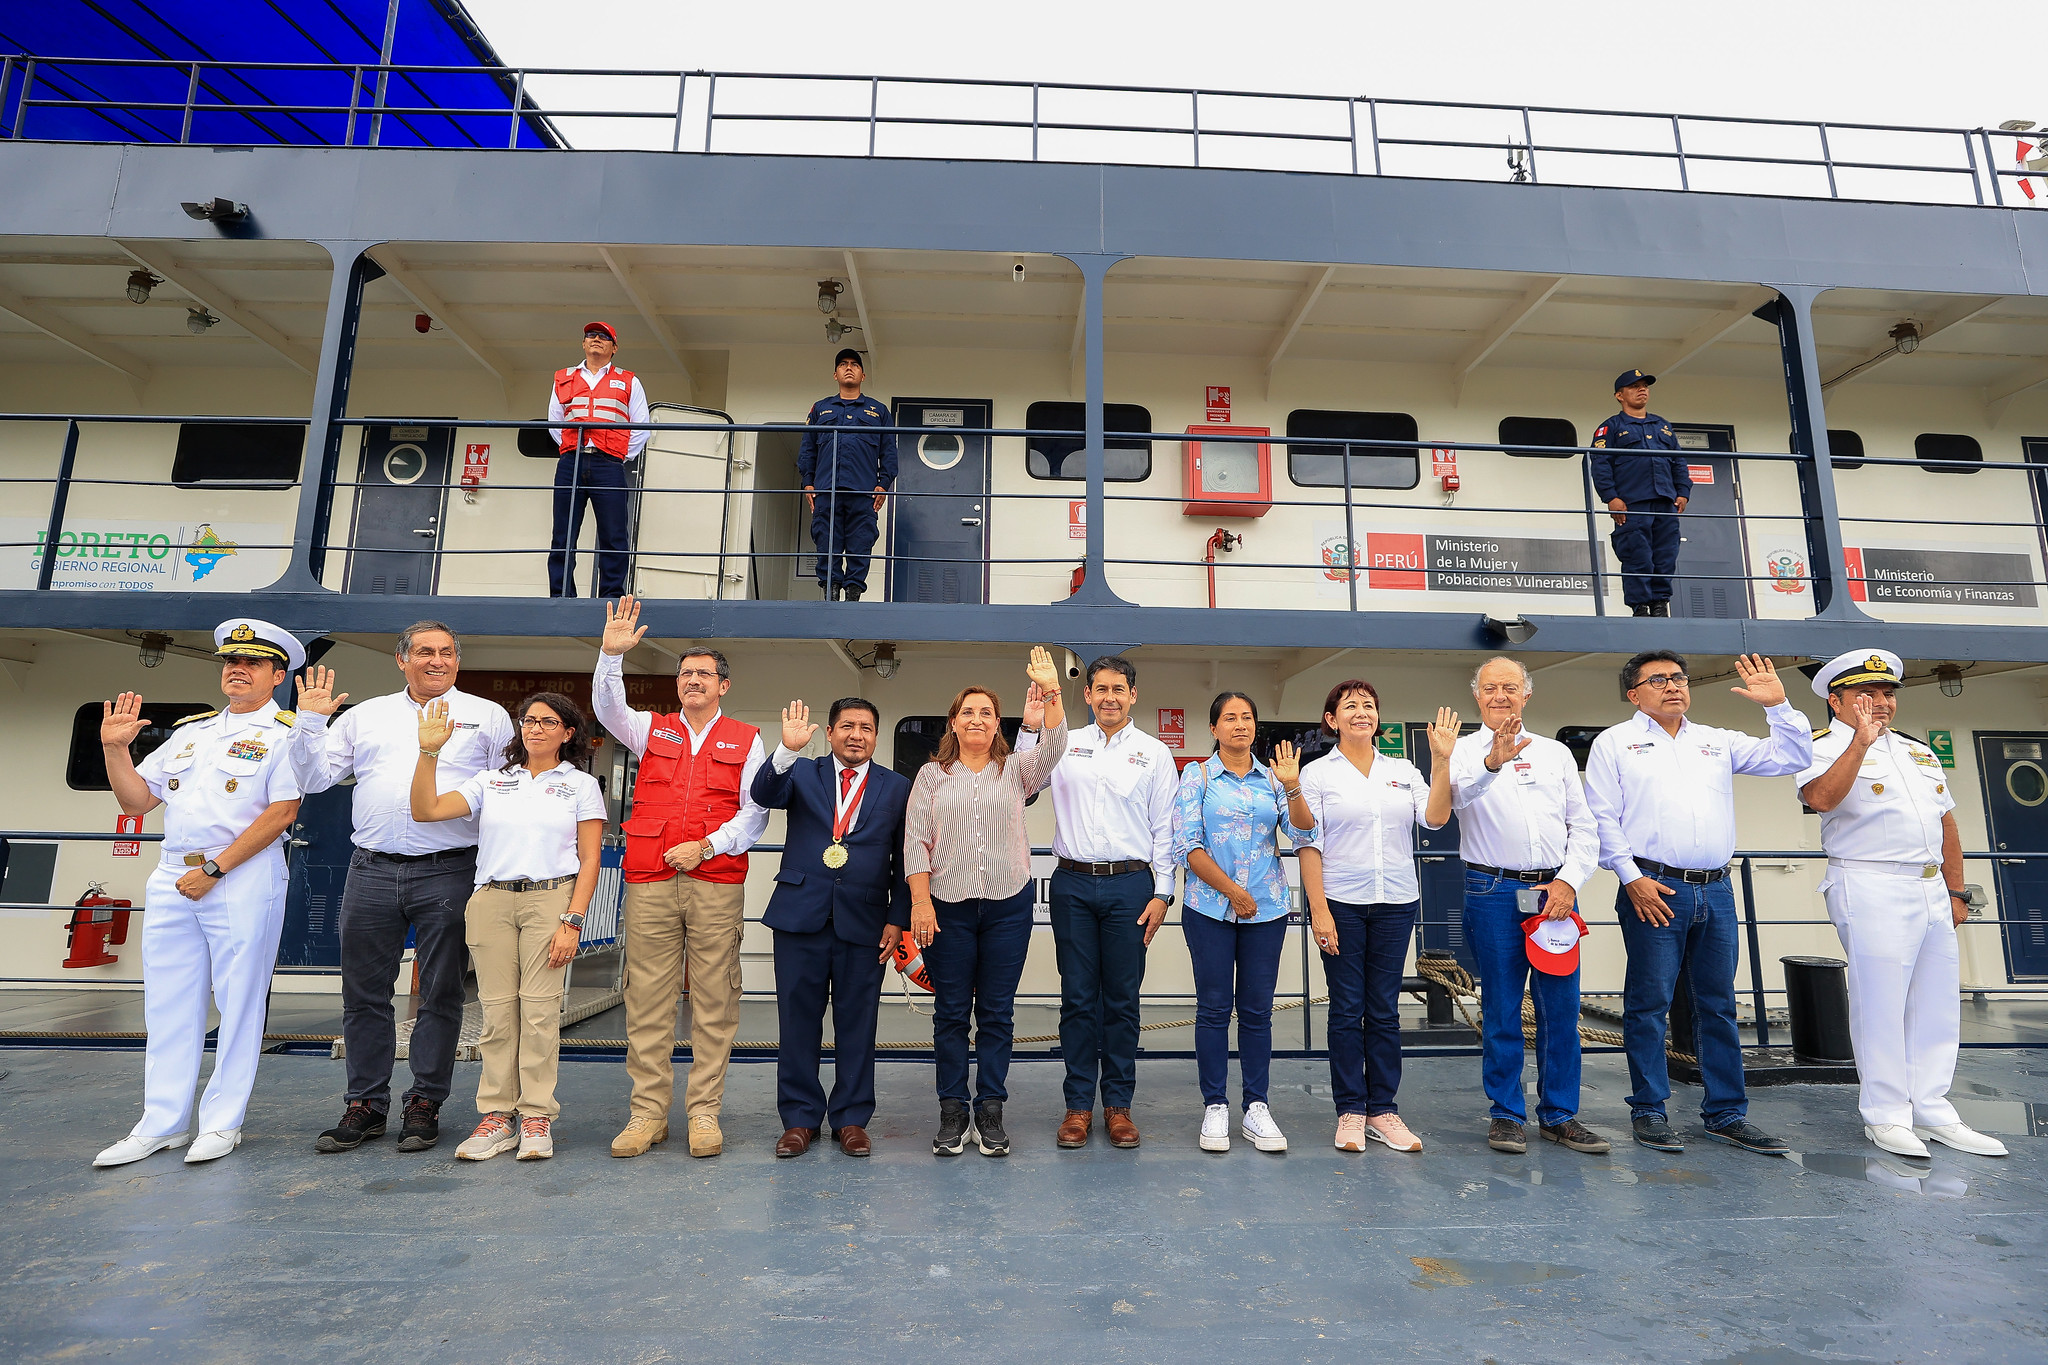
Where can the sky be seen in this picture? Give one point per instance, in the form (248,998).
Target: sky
(1958,64)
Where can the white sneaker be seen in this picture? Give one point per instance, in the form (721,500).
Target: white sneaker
(213,1146)
(1259,1127)
(1896,1138)
(1963,1138)
(134,1147)
(494,1135)
(1216,1128)
(536,1138)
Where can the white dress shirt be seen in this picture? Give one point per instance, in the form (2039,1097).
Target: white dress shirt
(1672,800)
(1366,826)
(636,411)
(1893,811)
(379,742)
(527,825)
(854,794)
(608,693)
(1530,815)
(1112,799)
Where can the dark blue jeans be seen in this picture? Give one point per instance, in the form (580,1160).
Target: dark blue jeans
(1236,966)
(1101,952)
(1647,546)
(1493,931)
(1365,1004)
(601,485)
(843,529)
(1700,941)
(976,960)
(382,899)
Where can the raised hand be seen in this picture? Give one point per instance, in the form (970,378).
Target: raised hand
(121,720)
(1443,735)
(316,691)
(1286,764)
(1508,741)
(1042,670)
(435,727)
(1760,680)
(1034,707)
(1863,715)
(620,618)
(797,726)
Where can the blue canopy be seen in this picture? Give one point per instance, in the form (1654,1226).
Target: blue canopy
(96,99)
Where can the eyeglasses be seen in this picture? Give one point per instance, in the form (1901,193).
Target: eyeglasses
(697,674)
(1664,682)
(539,723)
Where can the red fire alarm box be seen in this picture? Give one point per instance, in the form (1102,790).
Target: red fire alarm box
(476,465)
(1227,478)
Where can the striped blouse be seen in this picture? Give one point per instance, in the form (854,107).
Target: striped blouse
(966,828)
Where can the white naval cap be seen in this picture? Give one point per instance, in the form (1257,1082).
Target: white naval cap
(256,639)
(1859,666)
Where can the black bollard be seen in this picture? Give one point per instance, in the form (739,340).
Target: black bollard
(1817,997)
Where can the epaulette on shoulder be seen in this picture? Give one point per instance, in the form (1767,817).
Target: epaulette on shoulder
(187,720)
(1824,731)
(287,719)
(1915,738)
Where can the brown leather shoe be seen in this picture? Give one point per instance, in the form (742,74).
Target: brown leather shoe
(795,1141)
(1122,1132)
(853,1140)
(1074,1128)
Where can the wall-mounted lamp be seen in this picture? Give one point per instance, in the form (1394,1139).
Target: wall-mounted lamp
(1906,337)
(828,296)
(140,282)
(1951,679)
(216,211)
(151,650)
(886,662)
(198,321)
(1518,631)
(835,329)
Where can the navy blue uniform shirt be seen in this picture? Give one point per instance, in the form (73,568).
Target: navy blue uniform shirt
(1623,468)
(866,459)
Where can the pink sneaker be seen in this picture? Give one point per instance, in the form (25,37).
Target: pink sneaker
(494,1135)
(1389,1129)
(1350,1132)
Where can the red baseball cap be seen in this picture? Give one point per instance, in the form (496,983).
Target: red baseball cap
(604,327)
(1553,944)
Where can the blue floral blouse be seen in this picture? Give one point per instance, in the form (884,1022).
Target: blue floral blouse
(1235,819)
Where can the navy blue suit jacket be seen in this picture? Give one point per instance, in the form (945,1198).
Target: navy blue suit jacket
(861,897)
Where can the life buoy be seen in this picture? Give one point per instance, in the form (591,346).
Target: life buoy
(910,962)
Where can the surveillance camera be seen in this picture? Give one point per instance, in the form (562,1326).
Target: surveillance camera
(1017,272)
(1070,664)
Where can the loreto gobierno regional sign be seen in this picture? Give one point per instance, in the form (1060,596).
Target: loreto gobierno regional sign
(1433,561)
(117,555)
(1941,577)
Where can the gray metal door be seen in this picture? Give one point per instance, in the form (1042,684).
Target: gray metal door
(1713,564)
(401,495)
(2015,776)
(938,538)
(320,849)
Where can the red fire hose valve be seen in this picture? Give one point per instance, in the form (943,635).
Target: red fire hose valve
(96,921)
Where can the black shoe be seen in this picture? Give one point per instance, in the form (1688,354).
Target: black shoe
(422,1125)
(1641,609)
(988,1128)
(1505,1135)
(1750,1138)
(358,1123)
(1662,609)
(952,1128)
(1654,1132)
(1577,1136)
(853,592)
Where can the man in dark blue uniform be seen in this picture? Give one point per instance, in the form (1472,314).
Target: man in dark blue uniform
(1645,489)
(846,472)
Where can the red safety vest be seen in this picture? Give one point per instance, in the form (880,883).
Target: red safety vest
(679,796)
(610,401)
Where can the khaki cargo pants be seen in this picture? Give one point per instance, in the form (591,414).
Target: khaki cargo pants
(668,923)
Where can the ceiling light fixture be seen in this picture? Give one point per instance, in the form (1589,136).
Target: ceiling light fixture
(140,282)
(198,321)
(828,296)
(1906,337)
(216,211)
(153,645)
(1951,679)
(886,662)
(835,329)
(1518,631)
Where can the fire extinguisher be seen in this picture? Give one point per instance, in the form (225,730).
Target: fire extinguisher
(97,921)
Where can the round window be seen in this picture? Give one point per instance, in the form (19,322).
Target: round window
(2027,782)
(940,449)
(405,464)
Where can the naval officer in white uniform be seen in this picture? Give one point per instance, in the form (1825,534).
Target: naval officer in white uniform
(1894,890)
(215,903)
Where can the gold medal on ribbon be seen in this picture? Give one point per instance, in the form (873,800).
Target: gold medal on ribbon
(835,854)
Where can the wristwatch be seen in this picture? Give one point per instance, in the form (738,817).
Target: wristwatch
(212,869)
(572,919)
(1962,896)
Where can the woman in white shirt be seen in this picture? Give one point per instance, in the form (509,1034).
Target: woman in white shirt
(1362,895)
(540,821)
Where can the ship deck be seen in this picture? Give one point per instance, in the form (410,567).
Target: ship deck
(1166,1253)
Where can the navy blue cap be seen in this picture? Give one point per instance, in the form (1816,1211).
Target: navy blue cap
(1630,378)
(848,353)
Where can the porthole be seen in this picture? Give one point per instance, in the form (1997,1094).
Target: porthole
(405,464)
(940,449)
(2027,783)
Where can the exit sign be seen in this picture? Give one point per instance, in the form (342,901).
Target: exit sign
(1392,741)
(1943,742)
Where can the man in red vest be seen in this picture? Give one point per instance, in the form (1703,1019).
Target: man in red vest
(593,465)
(693,814)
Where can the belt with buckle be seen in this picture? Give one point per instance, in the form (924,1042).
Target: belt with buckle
(1924,871)
(1691,875)
(1104,869)
(528,884)
(435,856)
(1536,877)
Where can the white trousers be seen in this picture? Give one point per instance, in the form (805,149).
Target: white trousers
(222,946)
(1905,987)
